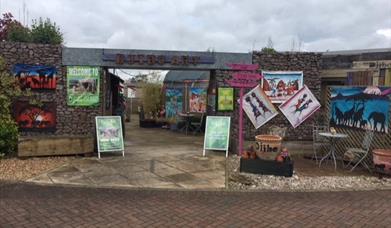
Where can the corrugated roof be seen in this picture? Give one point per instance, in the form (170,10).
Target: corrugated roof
(182,75)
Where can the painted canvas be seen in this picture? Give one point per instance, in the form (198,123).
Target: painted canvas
(35,76)
(300,106)
(174,102)
(197,100)
(258,107)
(83,86)
(279,86)
(35,118)
(360,107)
(225,98)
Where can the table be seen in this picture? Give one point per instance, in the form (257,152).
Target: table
(188,116)
(333,138)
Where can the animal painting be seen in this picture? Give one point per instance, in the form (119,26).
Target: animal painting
(377,118)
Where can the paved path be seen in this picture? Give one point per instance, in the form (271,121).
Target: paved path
(27,205)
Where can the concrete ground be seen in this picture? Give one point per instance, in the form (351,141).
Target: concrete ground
(154,158)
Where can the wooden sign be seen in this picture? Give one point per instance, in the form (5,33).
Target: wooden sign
(243,67)
(241,83)
(247,76)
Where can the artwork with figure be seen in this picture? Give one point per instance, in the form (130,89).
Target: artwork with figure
(174,102)
(33,117)
(258,107)
(35,76)
(360,107)
(197,100)
(300,106)
(83,86)
(281,85)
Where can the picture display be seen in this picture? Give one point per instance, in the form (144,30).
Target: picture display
(109,134)
(258,107)
(279,86)
(174,102)
(360,107)
(36,77)
(197,100)
(225,97)
(217,133)
(300,106)
(83,85)
(35,117)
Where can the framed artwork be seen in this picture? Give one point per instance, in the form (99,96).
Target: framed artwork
(174,102)
(300,106)
(258,107)
(279,86)
(197,100)
(360,107)
(225,97)
(83,86)
(35,118)
(35,77)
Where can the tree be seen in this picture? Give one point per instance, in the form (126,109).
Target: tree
(6,23)
(18,33)
(46,32)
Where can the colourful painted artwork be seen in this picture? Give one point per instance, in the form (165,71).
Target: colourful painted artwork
(174,102)
(279,86)
(258,107)
(83,86)
(197,100)
(300,106)
(225,97)
(35,76)
(360,107)
(35,118)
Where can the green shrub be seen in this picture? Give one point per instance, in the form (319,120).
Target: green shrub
(45,32)
(18,33)
(151,98)
(8,136)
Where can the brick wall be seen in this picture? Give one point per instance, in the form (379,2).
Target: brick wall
(70,120)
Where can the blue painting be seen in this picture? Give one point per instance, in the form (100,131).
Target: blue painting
(174,102)
(360,107)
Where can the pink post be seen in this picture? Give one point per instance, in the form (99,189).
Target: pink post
(241,123)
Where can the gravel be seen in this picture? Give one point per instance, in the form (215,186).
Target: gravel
(15,169)
(298,182)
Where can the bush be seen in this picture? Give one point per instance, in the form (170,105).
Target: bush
(8,136)
(18,33)
(151,99)
(45,32)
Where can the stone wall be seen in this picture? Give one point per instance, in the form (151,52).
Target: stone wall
(309,63)
(70,120)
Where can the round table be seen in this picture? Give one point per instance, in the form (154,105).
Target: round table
(187,116)
(333,138)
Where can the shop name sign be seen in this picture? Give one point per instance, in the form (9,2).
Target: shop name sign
(244,80)
(151,59)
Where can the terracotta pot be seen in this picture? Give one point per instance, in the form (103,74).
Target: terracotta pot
(245,155)
(279,158)
(253,155)
(382,160)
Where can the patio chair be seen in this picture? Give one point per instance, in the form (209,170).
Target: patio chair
(198,124)
(357,156)
(318,142)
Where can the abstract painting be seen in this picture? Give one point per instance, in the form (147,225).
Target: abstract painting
(35,76)
(197,100)
(35,117)
(300,106)
(258,107)
(225,97)
(279,86)
(174,102)
(360,107)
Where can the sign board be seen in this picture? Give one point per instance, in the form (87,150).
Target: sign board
(217,133)
(83,86)
(243,67)
(109,134)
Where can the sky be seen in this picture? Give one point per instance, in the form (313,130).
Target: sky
(219,25)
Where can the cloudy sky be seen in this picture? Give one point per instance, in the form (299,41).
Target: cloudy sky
(221,25)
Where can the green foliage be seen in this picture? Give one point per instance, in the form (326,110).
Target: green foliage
(8,136)
(268,50)
(151,98)
(46,32)
(18,33)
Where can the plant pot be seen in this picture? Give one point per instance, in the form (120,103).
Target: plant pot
(382,160)
(267,167)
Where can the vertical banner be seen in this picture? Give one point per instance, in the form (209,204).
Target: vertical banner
(217,133)
(83,86)
(109,134)
(225,97)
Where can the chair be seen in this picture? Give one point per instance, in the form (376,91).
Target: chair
(318,142)
(198,124)
(358,155)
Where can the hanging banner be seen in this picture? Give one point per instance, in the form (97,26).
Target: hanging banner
(197,100)
(258,107)
(225,97)
(83,86)
(36,77)
(299,107)
(217,133)
(174,102)
(279,86)
(360,107)
(31,117)
(109,134)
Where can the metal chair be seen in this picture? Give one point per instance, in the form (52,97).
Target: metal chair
(198,125)
(318,142)
(358,155)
